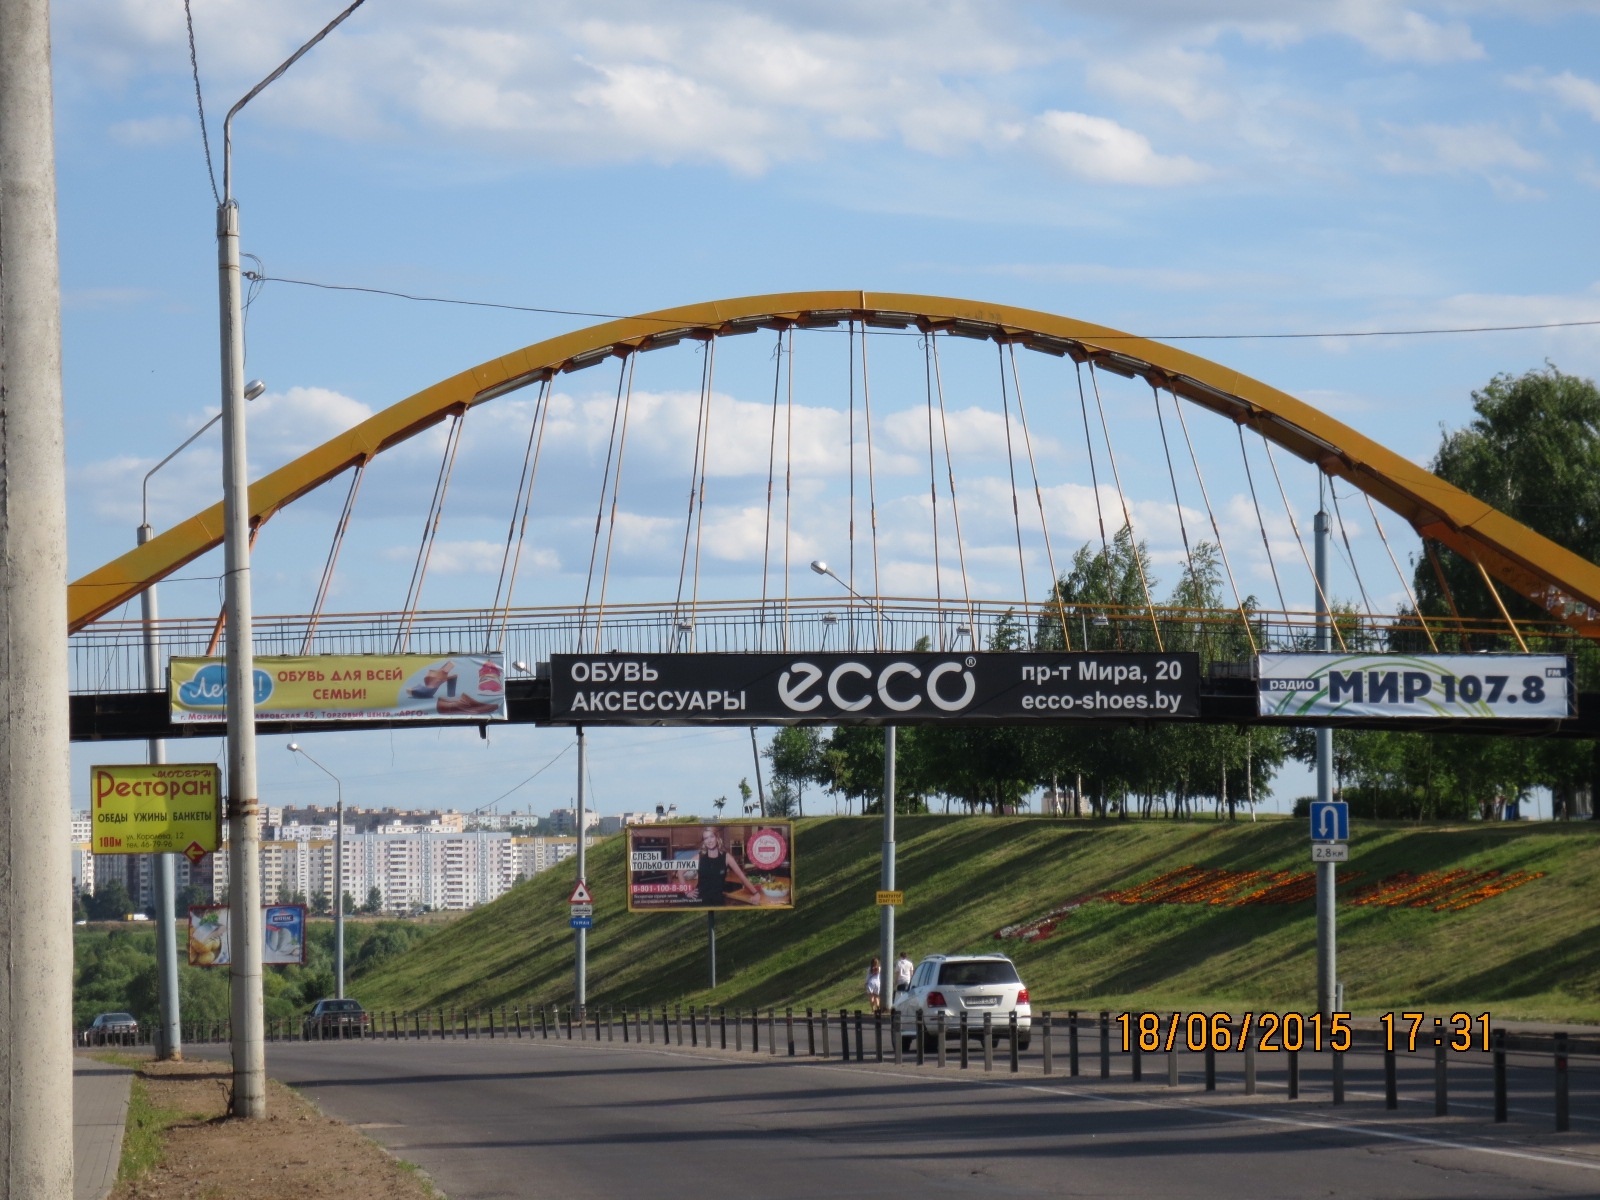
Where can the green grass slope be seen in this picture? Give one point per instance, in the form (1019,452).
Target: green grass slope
(1533,952)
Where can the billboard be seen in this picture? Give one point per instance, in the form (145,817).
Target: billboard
(346,687)
(677,868)
(283,942)
(155,808)
(1444,686)
(834,688)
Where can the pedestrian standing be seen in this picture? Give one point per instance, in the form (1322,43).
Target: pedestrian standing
(902,973)
(875,985)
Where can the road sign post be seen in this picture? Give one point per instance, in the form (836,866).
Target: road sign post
(1327,929)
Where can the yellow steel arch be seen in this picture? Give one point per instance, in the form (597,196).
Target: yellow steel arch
(1556,579)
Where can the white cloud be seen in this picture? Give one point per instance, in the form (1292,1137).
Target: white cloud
(1100,150)
(1451,149)
(1572,90)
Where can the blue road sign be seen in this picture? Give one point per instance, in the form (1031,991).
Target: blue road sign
(1330,821)
(583,922)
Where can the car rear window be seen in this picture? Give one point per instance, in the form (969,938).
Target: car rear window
(341,1006)
(122,1017)
(977,972)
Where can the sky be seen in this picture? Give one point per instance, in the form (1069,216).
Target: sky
(1164,167)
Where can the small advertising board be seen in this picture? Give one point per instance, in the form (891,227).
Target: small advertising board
(347,687)
(163,808)
(678,868)
(1442,686)
(283,941)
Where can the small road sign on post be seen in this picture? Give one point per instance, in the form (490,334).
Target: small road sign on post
(1330,821)
(890,899)
(1330,852)
(581,894)
(582,910)
(583,922)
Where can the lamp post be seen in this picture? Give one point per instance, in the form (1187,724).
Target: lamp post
(338,870)
(244,855)
(886,874)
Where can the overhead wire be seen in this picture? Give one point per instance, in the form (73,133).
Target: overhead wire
(200,103)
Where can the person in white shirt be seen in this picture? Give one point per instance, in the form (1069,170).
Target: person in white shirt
(902,973)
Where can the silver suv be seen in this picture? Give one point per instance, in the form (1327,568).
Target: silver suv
(974,984)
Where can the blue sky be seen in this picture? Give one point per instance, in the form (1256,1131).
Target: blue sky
(1167,167)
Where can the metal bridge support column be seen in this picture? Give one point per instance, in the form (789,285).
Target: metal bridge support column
(35,880)
(1327,929)
(886,911)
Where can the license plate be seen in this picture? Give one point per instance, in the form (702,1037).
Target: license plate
(981,1001)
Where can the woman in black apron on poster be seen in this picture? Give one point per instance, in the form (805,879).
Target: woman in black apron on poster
(715,866)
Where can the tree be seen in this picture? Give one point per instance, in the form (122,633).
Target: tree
(796,755)
(374,904)
(718,804)
(110,902)
(744,794)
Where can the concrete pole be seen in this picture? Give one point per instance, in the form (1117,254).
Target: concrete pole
(581,936)
(886,911)
(244,835)
(1327,929)
(169,1035)
(35,798)
(338,891)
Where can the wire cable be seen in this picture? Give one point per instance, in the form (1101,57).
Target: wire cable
(1266,544)
(1404,582)
(200,104)
(1216,529)
(1038,495)
(1127,513)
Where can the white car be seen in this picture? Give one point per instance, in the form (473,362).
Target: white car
(974,984)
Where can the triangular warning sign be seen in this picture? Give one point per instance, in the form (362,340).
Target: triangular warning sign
(580,894)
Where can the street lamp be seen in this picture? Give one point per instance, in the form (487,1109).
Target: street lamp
(169,1043)
(338,870)
(886,874)
(244,971)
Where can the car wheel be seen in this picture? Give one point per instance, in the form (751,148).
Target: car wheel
(930,1043)
(1022,1041)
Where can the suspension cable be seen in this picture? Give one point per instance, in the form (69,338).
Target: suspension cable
(430,532)
(1216,529)
(933,484)
(872,489)
(541,416)
(850,538)
(1266,543)
(616,490)
(1300,541)
(1499,603)
(705,467)
(1177,502)
(1349,551)
(1404,583)
(1449,595)
(950,477)
(772,458)
(600,507)
(1127,514)
(694,483)
(1094,477)
(788,487)
(1038,495)
(339,529)
(1011,467)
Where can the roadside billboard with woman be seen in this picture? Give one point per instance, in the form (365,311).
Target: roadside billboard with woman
(673,868)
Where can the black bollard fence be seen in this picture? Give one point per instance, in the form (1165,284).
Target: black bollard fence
(1500,1076)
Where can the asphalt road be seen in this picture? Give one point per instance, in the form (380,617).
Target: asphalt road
(489,1119)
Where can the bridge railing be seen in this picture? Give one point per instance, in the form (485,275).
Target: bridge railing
(108,655)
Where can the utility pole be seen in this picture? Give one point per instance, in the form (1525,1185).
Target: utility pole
(244,851)
(580,981)
(35,796)
(169,1037)
(1327,928)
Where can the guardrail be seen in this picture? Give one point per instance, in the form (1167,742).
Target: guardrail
(1074,1044)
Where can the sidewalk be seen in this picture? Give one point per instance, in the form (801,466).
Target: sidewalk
(99,1108)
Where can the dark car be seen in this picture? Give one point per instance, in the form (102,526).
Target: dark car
(336,1019)
(113,1028)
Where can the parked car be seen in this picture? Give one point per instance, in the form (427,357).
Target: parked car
(113,1027)
(975,984)
(335,1019)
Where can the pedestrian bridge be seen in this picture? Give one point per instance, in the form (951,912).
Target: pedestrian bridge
(950,458)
